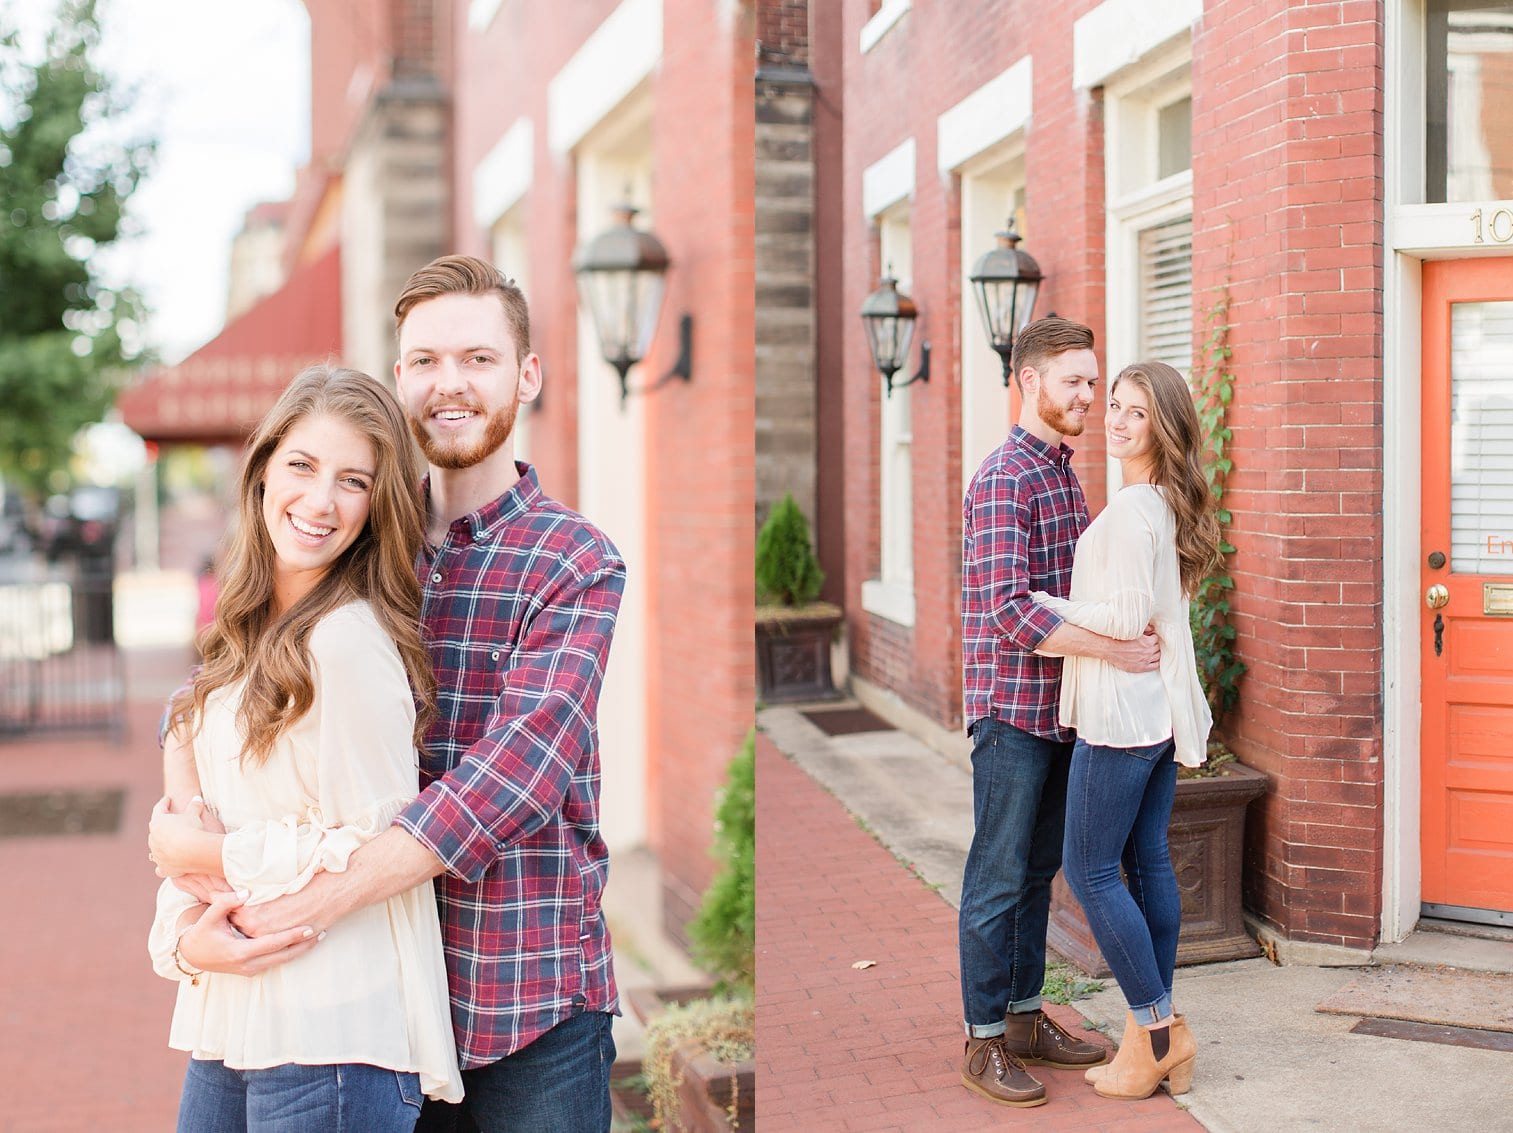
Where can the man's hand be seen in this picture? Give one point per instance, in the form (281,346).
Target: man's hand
(1142,655)
(201,886)
(306,908)
(213,945)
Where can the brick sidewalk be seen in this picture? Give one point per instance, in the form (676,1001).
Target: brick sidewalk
(83,1019)
(876,1049)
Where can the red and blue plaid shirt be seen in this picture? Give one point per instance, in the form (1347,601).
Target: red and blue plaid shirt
(1021,519)
(519,607)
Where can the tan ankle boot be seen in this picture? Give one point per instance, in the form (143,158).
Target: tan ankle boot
(1136,1072)
(1095,1072)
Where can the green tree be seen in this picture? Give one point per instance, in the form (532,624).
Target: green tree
(65,176)
(787,571)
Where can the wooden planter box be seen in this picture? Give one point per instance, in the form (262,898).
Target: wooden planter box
(1207,844)
(793,651)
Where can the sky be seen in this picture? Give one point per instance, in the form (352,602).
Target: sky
(224,87)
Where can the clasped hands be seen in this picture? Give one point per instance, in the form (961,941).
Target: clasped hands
(185,847)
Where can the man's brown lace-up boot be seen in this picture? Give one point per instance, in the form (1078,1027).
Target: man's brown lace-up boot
(989,1069)
(1034,1037)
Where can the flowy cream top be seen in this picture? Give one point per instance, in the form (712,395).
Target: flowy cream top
(375,989)
(1125,576)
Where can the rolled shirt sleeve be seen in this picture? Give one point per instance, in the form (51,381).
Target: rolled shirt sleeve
(1002,521)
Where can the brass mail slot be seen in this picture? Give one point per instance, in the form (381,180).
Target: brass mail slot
(1497,599)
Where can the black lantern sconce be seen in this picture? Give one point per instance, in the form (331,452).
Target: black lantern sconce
(889,319)
(1006,281)
(621,277)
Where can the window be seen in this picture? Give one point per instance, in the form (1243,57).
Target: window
(891,594)
(1149,185)
(1468,133)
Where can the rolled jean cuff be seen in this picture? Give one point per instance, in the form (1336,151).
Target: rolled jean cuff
(985,1030)
(1025,1006)
(1151,1014)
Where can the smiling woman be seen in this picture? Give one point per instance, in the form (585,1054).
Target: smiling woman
(294,745)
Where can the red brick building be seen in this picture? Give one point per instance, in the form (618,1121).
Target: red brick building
(561,113)
(1339,173)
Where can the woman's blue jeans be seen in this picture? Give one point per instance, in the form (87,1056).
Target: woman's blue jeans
(345,1098)
(1018,805)
(1119,804)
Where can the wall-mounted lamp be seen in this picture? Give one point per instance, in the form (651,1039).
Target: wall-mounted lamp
(1007,281)
(621,276)
(889,319)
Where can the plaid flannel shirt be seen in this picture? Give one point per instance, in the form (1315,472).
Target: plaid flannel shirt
(519,607)
(1021,519)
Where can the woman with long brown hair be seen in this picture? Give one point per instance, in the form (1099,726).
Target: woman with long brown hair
(300,731)
(1136,567)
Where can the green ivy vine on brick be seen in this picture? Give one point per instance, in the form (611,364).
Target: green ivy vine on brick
(1213,635)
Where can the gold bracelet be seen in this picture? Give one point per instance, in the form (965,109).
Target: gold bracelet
(178,961)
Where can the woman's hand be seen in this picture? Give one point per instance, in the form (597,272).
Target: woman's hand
(187,842)
(211,944)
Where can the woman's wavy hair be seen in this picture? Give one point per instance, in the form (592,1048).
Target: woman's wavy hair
(247,639)
(1177,468)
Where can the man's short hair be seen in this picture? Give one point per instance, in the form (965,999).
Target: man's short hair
(1044,339)
(467,275)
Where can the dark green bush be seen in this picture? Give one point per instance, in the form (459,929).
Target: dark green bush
(787,571)
(723,932)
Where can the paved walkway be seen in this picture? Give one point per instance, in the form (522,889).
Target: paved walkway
(83,1019)
(879,1048)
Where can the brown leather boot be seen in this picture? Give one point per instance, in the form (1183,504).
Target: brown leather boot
(988,1068)
(1037,1038)
(1136,1071)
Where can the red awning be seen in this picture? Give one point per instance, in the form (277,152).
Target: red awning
(223,389)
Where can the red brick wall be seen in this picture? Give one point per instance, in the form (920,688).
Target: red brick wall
(1287,129)
(782,31)
(700,437)
(1287,138)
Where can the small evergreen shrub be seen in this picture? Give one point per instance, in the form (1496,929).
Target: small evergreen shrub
(787,571)
(723,932)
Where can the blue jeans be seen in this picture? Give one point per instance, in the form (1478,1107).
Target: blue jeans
(345,1098)
(558,1083)
(1018,812)
(1119,804)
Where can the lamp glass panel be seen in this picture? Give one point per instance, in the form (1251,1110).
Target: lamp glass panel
(1026,309)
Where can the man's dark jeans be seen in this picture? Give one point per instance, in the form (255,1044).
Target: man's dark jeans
(558,1083)
(1019,815)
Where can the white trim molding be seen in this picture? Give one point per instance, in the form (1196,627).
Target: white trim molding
(890,600)
(620,54)
(883,19)
(991,113)
(888,180)
(1453,231)
(1118,33)
(504,174)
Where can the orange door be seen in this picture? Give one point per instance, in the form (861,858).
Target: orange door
(1466,590)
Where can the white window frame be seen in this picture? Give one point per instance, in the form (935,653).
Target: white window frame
(509,245)
(992,190)
(1137,199)
(880,21)
(891,594)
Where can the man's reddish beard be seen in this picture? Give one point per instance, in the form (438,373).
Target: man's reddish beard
(1056,416)
(452,453)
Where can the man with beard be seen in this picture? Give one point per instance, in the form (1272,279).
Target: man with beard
(520,596)
(1021,518)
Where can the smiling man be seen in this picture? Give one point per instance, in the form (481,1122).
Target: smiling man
(520,596)
(1021,519)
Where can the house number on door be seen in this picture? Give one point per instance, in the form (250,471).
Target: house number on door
(1499,226)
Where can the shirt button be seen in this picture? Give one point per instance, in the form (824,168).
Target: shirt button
(436,577)
(494,656)
(478,536)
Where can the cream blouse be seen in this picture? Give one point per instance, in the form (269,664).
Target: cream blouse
(375,989)
(1125,576)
